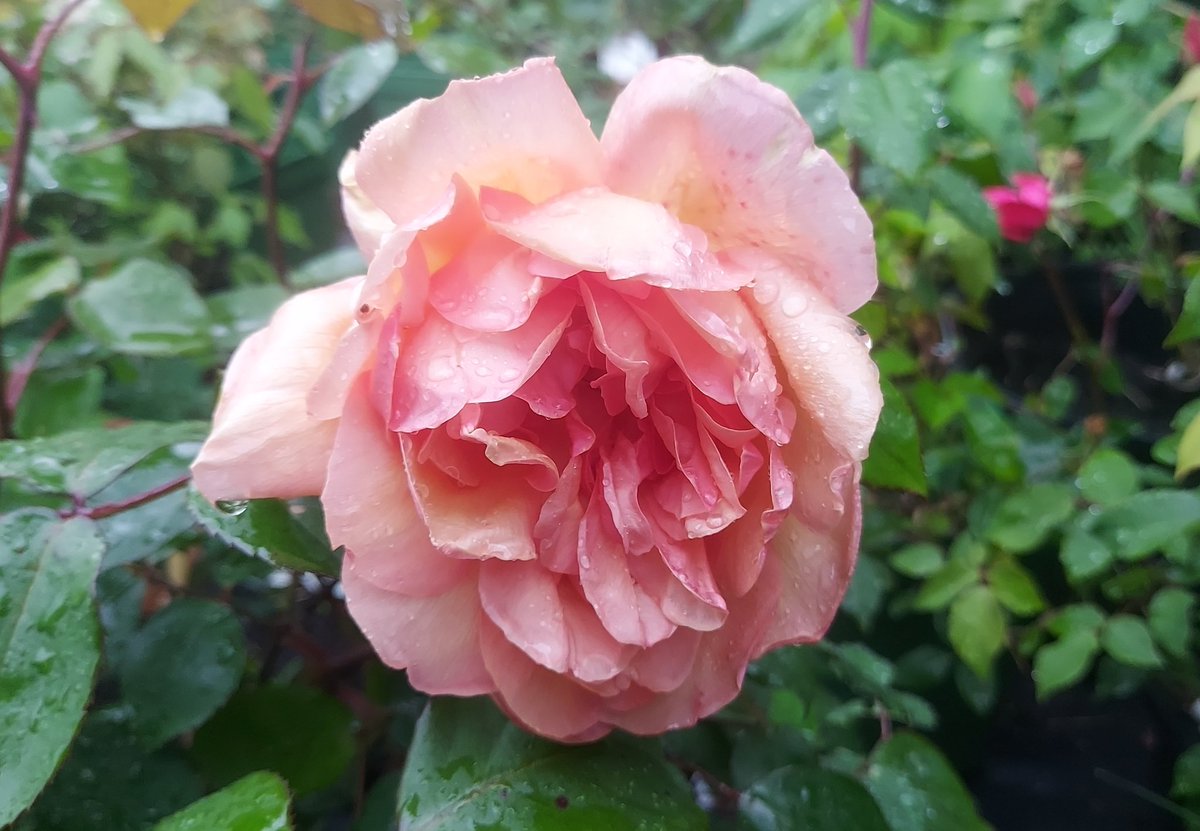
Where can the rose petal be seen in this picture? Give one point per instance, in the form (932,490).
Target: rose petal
(369,508)
(522,599)
(828,364)
(368,224)
(487,287)
(731,155)
(545,702)
(437,639)
(595,229)
(444,367)
(521,131)
(263,442)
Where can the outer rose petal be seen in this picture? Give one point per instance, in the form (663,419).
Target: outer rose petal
(264,443)
(369,509)
(521,131)
(828,365)
(730,154)
(435,638)
(367,223)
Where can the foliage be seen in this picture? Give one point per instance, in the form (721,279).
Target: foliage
(1032,535)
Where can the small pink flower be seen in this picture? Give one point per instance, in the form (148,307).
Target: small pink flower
(1025,94)
(591,427)
(1191,40)
(1022,210)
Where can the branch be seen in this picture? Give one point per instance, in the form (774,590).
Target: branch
(268,154)
(226,134)
(861,39)
(25,367)
(1112,315)
(27,77)
(136,501)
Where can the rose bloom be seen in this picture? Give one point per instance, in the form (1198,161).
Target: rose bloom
(1023,209)
(591,426)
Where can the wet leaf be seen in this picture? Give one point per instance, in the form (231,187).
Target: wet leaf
(917,789)
(811,799)
(48,634)
(258,802)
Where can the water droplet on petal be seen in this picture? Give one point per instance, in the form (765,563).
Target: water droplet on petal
(794,305)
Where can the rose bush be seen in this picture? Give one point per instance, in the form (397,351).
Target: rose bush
(591,426)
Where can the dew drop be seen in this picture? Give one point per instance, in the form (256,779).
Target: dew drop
(794,305)
(233,507)
(440,369)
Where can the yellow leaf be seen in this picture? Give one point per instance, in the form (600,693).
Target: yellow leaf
(157,16)
(351,16)
(1188,458)
(1191,138)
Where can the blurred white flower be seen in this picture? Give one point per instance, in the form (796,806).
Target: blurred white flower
(625,55)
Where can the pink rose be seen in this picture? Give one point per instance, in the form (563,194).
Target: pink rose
(1191,40)
(591,427)
(1022,210)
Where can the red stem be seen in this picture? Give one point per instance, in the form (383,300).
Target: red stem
(27,76)
(268,154)
(137,501)
(21,371)
(860,31)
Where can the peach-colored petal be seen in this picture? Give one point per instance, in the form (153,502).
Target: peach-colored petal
(545,702)
(368,224)
(521,598)
(264,443)
(595,229)
(521,131)
(625,608)
(487,287)
(369,509)
(444,367)
(731,155)
(814,568)
(825,356)
(437,639)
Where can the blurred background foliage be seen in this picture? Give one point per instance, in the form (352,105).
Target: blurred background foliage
(1018,646)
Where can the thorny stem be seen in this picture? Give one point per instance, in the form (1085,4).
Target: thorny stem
(136,501)
(21,371)
(268,154)
(27,75)
(861,37)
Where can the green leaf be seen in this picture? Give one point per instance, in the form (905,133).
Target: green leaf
(918,560)
(238,313)
(1191,139)
(1026,519)
(258,802)
(977,628)
(811,799)
(1078,617)
(762,20)
(1186,782)
(962,196)
(980,94)
(895,457)
(110,782)
(1084,555)
(943,586)
(891,113)
(1145,522)
(1108,476)
(1187,456)
(1015,587)
(82,462)
(1127,639)
(993,442)
(468,768)
(48,635)
(355,76)
(1086,42)
(192,106)
(267,529)
(56,401)
(1061,664)
(180,667)
(23,291)
(1174,198)
(333,265)
(1170,618)
(143,308)
(917,789)
(303,735)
